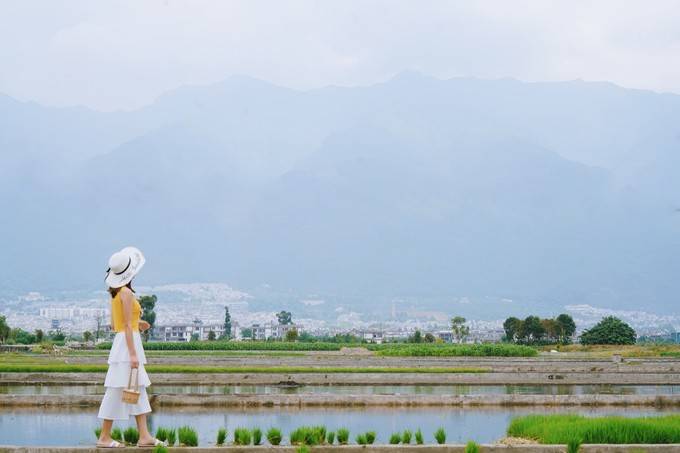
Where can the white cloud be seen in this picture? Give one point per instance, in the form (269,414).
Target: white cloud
(122,54)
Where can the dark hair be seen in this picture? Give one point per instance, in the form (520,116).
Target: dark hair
(114,291)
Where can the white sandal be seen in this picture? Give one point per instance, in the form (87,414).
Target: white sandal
(112,444)
(156,443)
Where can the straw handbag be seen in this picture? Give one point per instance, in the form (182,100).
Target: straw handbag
(131,394)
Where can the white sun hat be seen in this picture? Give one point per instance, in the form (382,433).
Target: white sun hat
(123,266)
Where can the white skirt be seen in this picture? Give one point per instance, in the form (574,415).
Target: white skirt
(113,407)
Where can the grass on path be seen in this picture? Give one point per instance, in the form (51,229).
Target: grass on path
(562,429)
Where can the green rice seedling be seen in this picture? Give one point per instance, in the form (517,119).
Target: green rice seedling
(395,438)
(472,447)
(406,437)
(419,437)
(97,432)
(187,436)
(131,436)
(440,436)
(162,434)
(257,436)
(302,449)
(117,434)
(308,435)
(561,429)
(321,430)
(221,436)
(330,437)
(573,446)
(172,437)
(361,439)
(274,436)
(160,449)
(242,436)
(343,436)
(370,437)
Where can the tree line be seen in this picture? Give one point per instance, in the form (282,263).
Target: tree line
(534,330)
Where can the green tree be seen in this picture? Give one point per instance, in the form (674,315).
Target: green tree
(247,332)
(532,329)
(4,329)
(39,335)
(429,338)
(567,327)
(512,327)
(57,335)
(211,336)
(87,336)
(20,336)
(194,337)
(459,329)
(292,335)
(417,337)
(227,323)
(148,304)
(284,317)
(609,330)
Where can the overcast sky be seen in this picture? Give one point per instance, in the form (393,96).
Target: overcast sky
(122,54)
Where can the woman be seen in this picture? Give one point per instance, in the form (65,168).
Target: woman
(127,354)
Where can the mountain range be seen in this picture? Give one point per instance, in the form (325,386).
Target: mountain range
(547,194)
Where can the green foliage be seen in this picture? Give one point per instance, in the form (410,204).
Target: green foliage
(292,335)
(302,449)
(221,436)
(274,436)
(457,350)
(257,436)
(459,329)
(148,314)
(97,432)
(172,437)
(117,434)
(419,437)
(160,449)
(440,436)
(472,447)
(370,437)
(395,438)
(227,323)
(343,436)
(87,336)
(361,439)
(330,437)
(429,338)
(309,435)
(234,346)
(39,335)
(4,329)
(162,434)
(406,437)
(561,429)
(242,436)
(211,336)
(417,337)
(534,330)
(131,435)
(610,330)
(187,436)
(284,317)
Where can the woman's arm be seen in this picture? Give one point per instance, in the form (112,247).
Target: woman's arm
(127,299)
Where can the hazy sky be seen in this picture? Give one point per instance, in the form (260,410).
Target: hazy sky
(122,54)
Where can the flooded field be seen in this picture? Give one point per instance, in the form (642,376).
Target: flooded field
(358,389)
(75,427)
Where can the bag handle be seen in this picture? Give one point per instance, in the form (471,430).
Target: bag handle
(136,378)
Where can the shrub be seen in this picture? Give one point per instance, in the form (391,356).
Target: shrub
(361,439)
(131,436)
(419,437)
(343,436)
(187,436)
(472,447)
(370,437)
(406,437)
(610,330)
(455,350)
(117,434)
(440,436)
(330,437)
(97,432)
(257,436)
(221,436)
(395,438)
(242,436)
(274,436)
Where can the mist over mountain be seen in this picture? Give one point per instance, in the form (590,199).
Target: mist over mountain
(547,194)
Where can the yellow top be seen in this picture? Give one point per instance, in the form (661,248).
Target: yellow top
(117,318)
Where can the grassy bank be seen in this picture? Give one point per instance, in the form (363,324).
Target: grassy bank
(562,429)
(632,351)
(457,350)
(88,368)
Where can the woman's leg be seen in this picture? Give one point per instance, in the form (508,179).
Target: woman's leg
(145,437)
(105,435)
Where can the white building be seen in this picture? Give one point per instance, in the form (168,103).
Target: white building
(272,331)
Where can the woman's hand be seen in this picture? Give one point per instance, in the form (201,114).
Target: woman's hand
(143,325)
(134,361)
